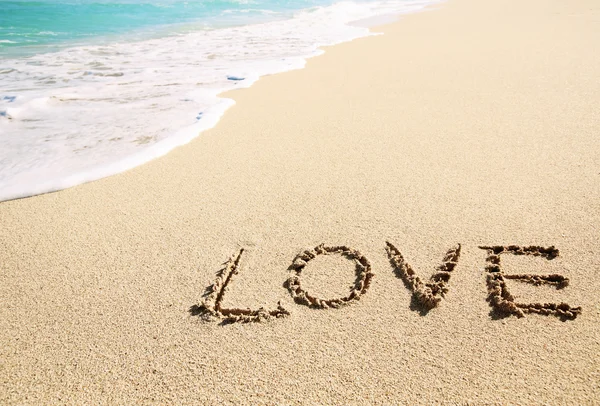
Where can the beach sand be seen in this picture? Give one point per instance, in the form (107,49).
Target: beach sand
(474,122)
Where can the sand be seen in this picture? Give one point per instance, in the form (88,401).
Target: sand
(473,123)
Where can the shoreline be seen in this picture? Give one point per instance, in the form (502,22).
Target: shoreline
(208,105)
(473,123)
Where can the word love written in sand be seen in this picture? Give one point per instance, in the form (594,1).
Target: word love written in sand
(426,295)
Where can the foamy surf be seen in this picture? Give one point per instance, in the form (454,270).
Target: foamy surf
(86,112)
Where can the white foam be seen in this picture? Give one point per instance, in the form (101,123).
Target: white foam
(88,112)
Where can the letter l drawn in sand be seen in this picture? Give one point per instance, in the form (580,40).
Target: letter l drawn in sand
(212,306)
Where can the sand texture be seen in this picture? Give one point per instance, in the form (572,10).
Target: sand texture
(412,219)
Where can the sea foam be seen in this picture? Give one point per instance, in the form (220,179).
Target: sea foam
(90,111)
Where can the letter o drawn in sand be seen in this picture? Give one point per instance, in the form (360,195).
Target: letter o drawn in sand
(361,285)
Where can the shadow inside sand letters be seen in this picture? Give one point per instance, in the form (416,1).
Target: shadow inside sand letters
(425,295)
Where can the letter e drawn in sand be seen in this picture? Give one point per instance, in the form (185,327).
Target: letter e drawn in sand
(426,296)
(501,299)
(361,284)
(211,306)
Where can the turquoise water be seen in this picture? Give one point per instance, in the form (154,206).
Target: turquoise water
(90,88)
(40,23)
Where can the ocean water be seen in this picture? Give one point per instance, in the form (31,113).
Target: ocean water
(90,88)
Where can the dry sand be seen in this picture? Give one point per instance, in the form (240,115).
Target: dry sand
(475,122)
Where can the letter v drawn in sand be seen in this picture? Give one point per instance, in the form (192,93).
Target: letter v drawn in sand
(212,305)
(428,295)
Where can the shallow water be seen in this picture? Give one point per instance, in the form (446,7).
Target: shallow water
(93,88)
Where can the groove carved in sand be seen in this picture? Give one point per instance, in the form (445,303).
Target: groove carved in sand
(427,295)
(501,299)
(361,285)
(212,307)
